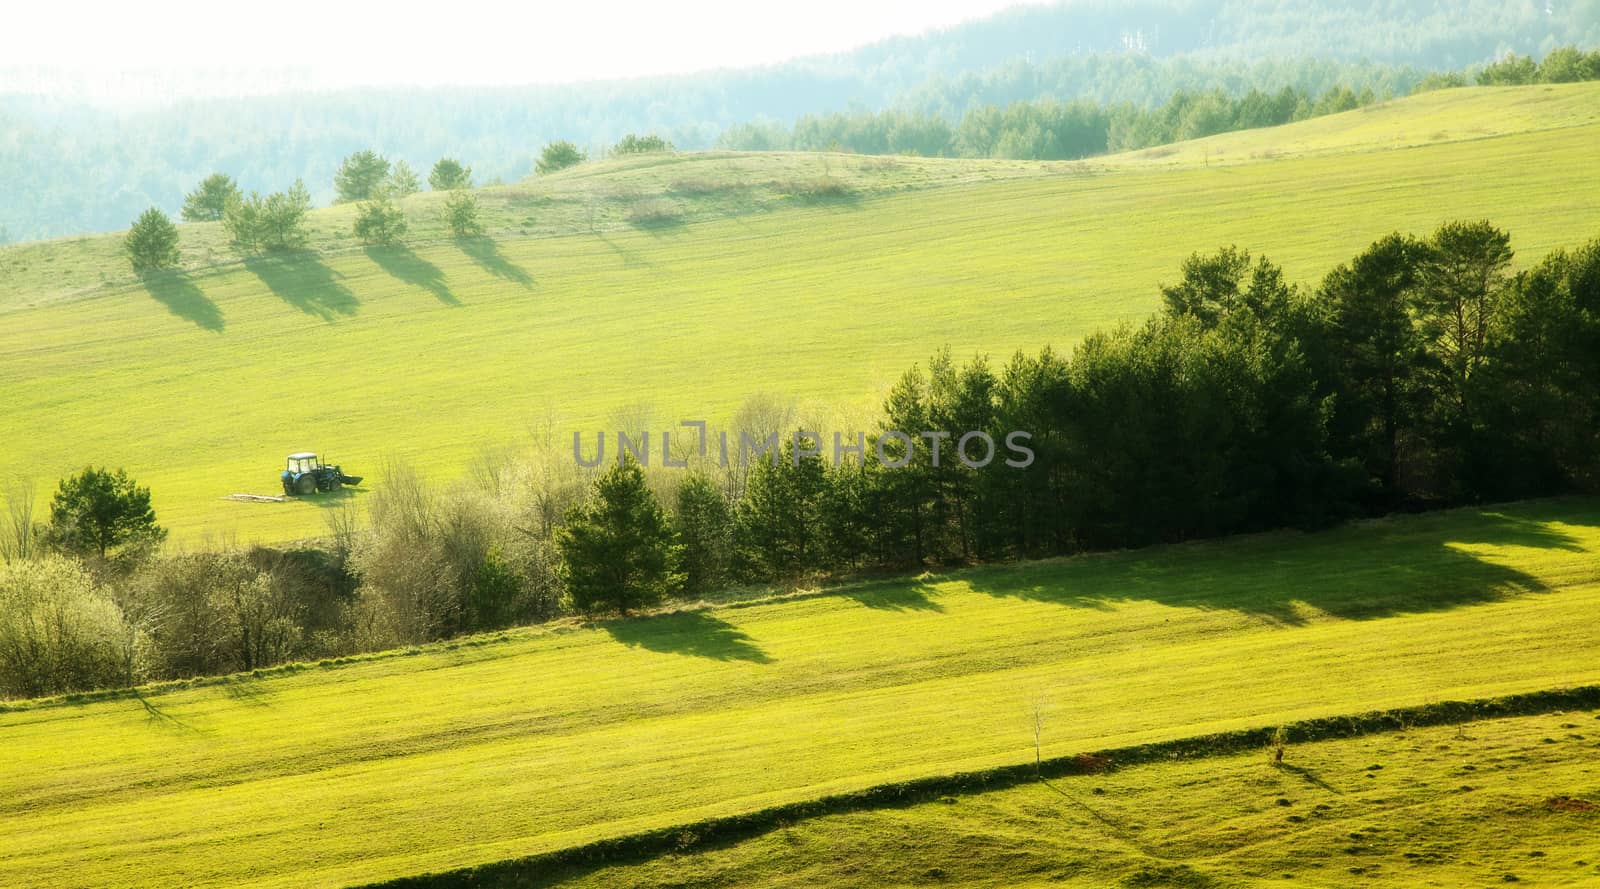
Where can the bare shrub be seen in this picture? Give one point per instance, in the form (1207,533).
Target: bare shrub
(654,213)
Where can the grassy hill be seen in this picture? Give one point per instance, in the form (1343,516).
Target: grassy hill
(500,747)
(200,383)
(1471,805)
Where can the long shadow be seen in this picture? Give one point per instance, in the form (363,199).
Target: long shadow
(162,717)
(486,253)
(630,259)
(406,265)
(183,298)
(688,632)
(891,596)
(247,690)
(303,281)
(1372,570)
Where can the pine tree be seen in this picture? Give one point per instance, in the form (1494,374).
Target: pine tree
(461,214)
(360,176)
(379,222)
(210,200)
(618,551)
(449,174)
(152,242)
(402,181)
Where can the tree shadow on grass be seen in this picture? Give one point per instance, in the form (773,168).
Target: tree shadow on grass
(630,259)
(1385,568)
(183,298)
(894,596)
(160,716)
(303,281)
(486,253)
(688,632)
(247,690)
(407,266)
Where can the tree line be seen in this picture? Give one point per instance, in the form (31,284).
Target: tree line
(1052,130)
(277,221)
(1422,373)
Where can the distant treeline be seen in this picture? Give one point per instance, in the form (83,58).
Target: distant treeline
(1050,130)
(1045,130)
(1422,373)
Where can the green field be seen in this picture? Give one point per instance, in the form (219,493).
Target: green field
(200,383)
(484,750)
(1470,805)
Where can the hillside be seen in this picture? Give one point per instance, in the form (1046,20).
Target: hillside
(1468,805)
(200,383)
(487,749)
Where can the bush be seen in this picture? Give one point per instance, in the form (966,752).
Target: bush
(152,242)
(819,188)
(59,633)
(633,144)
(654,212)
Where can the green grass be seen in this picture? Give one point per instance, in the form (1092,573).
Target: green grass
(470,753)
(1467,805)
(1441,116)
(200,383)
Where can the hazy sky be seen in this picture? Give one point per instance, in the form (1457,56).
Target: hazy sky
(128,49)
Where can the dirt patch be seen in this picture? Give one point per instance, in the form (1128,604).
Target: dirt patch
(1568,804)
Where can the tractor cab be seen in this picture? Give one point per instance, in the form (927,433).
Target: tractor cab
(304,474)
(303,462)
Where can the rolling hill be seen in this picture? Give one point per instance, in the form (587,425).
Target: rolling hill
(199,383)
(498,747)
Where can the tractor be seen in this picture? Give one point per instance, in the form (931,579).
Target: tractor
(308,475)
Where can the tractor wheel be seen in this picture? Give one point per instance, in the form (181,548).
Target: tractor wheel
(305,484)
(336,485)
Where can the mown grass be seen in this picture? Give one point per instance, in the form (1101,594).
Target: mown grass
(200,382)
(458,755)
(1513,800)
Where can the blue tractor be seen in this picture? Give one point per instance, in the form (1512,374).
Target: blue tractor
(306,474)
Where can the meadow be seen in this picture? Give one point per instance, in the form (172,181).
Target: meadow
(496,747)
(569,317)
(1505,801)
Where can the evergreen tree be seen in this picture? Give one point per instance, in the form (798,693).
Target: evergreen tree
(461,214)
(210,199)
(705,528)
(97,511)
(449,174)
(379,222)
(617,549)
(360,176)
(152,242)
(402,181)
(558,156)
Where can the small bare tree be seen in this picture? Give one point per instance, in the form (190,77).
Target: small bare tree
(19,539)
